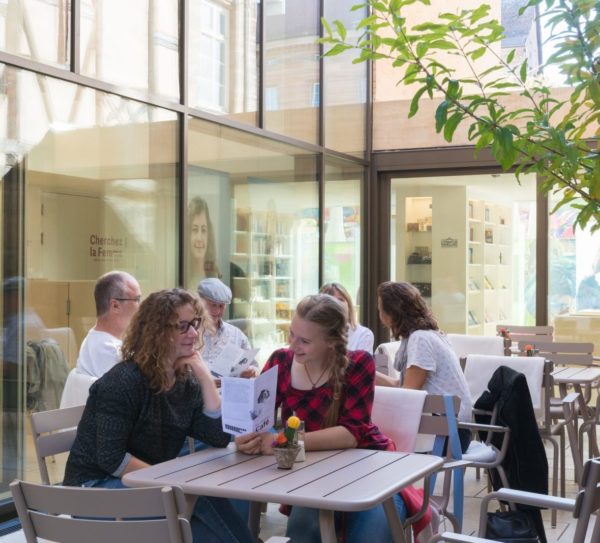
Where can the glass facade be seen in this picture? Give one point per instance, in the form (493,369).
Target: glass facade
(257,174)
(85,191)
(224,56)
(258,198)
(468,243)
(291,95)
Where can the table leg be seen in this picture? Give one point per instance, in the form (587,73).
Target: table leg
(395,525)
(327,524)
(254,519)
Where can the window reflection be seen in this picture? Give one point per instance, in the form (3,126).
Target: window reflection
(262,200)
(90,180)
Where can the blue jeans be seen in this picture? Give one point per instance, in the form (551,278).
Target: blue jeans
(214,520)
(361,526)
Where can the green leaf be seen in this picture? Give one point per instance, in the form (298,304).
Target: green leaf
(510,57)
(523,71)
(337,49)
(326,26)
(414,103)
(441,114)
(341,29)
(478,53)
(451,125)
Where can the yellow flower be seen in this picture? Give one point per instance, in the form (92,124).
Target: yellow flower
(293,423)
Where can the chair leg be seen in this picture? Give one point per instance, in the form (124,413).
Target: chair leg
(563,467)
(555,461)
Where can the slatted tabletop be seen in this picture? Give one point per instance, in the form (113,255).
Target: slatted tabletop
(338,480)
(580,375)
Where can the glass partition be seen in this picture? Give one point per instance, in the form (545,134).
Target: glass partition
(574,279)
(291,77)
(133,44)
(84,191)
(468,244)
(253,221)
(223,58)
(342,226)
(36,29)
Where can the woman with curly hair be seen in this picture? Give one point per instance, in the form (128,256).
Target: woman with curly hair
(331,390)
(425,358)
(140,412)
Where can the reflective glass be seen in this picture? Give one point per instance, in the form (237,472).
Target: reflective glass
(259,198)
(36,29)
(468,244)
(133,44)
(291,78)
(345,87)
(223,58)
(573,279)
(342,226)
(91,189)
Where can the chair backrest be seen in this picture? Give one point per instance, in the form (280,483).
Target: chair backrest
(397,413)
(579,354)
(53,433)
(77,389)
(152,515)
(588,502)
(528,333)
(480,368)
(464,345)
(435,419)
(384,358)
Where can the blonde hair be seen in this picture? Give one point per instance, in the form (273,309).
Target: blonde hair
(327,312)
(149,339)
(338,288)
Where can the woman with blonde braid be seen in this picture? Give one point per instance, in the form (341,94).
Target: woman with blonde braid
(332,390)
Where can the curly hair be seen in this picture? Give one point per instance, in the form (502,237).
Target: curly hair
(196,207)
(338,288)
(149,339)
(407,309)
(327,312)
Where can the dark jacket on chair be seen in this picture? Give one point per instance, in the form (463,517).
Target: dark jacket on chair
(525,464)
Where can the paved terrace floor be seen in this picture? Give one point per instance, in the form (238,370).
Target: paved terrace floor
(273,523)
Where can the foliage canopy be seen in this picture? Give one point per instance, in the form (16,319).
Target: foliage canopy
(556,138)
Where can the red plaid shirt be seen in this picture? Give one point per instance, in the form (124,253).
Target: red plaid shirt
(312,405)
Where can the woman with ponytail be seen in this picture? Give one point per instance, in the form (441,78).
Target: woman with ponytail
(331,390)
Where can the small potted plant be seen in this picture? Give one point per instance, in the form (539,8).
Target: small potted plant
(504,332)
(285,445)
(530,350)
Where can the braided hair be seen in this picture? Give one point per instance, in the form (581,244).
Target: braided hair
(329,313)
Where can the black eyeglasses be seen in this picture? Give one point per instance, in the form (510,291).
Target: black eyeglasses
(183,326)
(137,299)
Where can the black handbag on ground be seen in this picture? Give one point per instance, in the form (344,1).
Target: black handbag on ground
(511,527)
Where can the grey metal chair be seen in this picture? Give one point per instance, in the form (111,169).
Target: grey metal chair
(97,515)
(583,507)
(53,433)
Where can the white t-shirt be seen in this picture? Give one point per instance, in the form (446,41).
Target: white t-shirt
(99,352)
(360,339)
(431,351)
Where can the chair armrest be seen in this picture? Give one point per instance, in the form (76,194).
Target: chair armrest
(481,412)
(529,498)
(452,537)
(484,427)
(455,464)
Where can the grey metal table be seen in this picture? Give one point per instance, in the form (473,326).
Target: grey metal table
(338,480)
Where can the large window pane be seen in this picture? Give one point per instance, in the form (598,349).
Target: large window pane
(223,58)
(90,183)
(574,279)
(345,88)
(468,244)
(36,29)
(342,225)
(291,76)
(258,198)
(132,43)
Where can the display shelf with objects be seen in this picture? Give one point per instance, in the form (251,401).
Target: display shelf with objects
(263,292)
(489,264)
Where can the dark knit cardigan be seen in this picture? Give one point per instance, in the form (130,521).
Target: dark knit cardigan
(123,415)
